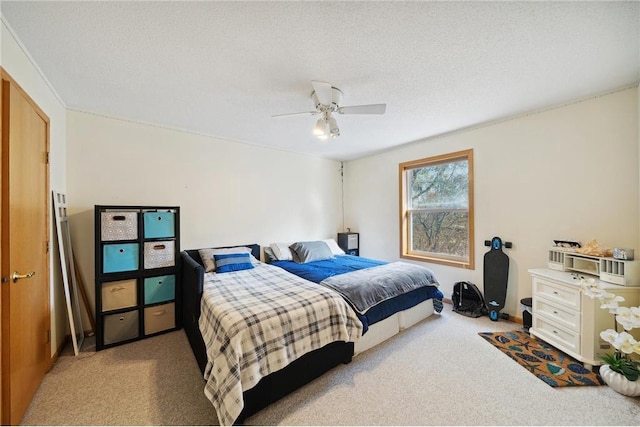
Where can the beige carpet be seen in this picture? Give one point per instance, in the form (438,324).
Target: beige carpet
(439,372)
(150,382)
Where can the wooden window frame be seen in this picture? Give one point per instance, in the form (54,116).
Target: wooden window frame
(405,246)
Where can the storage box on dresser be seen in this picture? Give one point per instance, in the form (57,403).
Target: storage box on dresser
(569,320)
(136,277)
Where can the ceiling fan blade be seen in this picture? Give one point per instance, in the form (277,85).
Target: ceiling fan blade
(323,92)
(363,109)
(295,114)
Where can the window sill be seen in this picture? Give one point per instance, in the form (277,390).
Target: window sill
(433,260)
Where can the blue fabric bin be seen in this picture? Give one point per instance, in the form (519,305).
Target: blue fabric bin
(159,224)
(159,289)
(120,257)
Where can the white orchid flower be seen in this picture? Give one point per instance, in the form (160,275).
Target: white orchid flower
(609,335)
(627,317)
(625,342)
(635,317)
(591,288)
(610,301)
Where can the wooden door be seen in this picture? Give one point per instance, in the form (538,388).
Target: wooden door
(26,348)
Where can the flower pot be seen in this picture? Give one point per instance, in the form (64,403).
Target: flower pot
(619,383)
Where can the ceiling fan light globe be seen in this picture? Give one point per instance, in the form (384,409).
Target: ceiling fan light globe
(320,128)
(333,126)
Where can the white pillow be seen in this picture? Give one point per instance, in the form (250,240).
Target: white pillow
(335,249)
(281,251)
(207,255)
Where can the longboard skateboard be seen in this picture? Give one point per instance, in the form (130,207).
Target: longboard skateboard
(496,276)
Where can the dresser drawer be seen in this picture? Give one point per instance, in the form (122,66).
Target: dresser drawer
(159,254)
(159,318)
(159,224)
(554,334)
(557,313)
(119,225)
(565,295)
(121,327)
(120,294)
(159,289)
(120,257)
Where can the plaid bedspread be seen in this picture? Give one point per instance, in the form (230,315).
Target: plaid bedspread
(257,321)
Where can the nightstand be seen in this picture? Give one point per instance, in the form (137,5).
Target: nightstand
(350,243)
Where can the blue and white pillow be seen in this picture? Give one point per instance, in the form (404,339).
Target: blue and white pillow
(207,255)
(232,262)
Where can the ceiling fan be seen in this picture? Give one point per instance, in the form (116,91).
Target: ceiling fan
(327,99)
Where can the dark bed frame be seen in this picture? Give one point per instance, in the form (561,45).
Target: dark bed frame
(275,385)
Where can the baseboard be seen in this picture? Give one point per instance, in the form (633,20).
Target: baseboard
(55,355)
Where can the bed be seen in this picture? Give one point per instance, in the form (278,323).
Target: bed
(259,332)
(323,262)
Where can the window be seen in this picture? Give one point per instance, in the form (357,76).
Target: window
(436,209)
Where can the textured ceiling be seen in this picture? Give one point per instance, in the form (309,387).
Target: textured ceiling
(224,68)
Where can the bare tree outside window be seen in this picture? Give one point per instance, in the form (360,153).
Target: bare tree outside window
(436,209)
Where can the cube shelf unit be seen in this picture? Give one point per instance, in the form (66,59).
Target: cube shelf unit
(607,269)
(137,286)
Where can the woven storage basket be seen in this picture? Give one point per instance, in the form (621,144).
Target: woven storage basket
(159,289)
(159,254)
(120,294)
(159,225)
(159,318)
(121,327)
(119,225)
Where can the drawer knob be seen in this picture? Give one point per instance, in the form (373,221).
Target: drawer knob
(555,292)
(160,313)
(555,332)
(555,312)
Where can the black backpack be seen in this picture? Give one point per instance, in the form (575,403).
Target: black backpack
(468,300)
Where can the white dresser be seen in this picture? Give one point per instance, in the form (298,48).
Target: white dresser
(570,321)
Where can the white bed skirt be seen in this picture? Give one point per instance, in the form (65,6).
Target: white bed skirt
(390,326)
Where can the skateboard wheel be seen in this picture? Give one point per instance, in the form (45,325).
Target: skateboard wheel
(493,315)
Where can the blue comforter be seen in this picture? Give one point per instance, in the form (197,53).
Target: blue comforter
(317,271)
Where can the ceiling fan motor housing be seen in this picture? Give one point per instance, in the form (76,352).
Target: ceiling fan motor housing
(336,99)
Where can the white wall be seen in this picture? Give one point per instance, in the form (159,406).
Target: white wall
(565,173)
(14,60)
(228,193)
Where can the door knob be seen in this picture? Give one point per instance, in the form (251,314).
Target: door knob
(15,276)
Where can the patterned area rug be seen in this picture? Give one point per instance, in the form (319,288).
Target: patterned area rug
(541,359)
